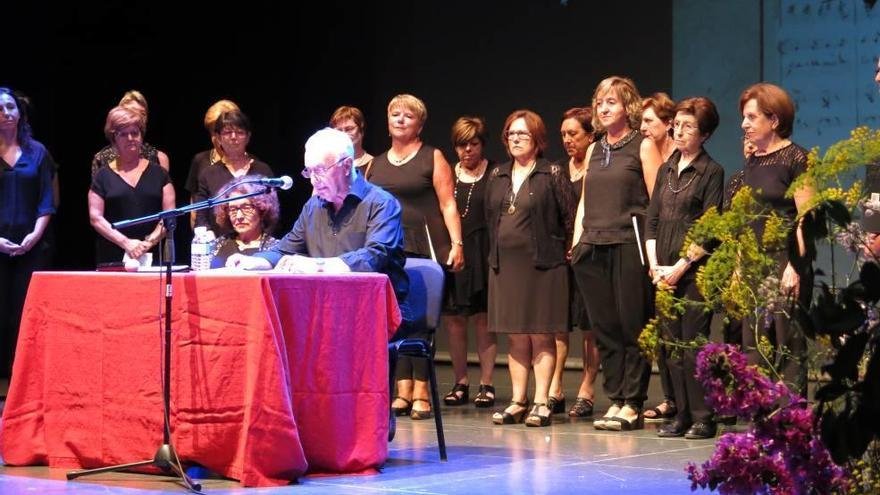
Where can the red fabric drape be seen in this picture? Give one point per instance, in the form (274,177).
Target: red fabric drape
(272,375)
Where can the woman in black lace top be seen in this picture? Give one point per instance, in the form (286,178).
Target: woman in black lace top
(768,116)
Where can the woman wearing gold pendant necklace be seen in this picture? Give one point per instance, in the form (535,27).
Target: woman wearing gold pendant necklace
(529,212)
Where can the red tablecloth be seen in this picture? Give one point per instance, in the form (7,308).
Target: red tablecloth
(272,375)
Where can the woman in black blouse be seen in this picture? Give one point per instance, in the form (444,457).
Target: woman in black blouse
(768,117)
(688,184)
(529,212)
(234,131)
(608,261)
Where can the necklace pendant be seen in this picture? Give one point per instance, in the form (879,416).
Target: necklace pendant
(511,209)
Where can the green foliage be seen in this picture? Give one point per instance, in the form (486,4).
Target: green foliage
(841,164)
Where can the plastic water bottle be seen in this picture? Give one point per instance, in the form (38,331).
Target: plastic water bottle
(200,250)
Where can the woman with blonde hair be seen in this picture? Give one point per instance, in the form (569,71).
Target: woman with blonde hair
(212,156)
(420,178)
(607,257)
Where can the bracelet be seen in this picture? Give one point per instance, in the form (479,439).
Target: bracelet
(458,243)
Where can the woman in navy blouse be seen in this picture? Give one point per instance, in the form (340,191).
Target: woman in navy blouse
(26,205)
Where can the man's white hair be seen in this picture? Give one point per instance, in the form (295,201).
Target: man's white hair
(329,141)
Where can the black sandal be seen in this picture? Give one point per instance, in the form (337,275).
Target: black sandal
(483,399)
(453,398)
(505,418)
(417,415)
(582,408)
(658,415)
(402,411)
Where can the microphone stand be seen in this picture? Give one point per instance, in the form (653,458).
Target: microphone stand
(166,458)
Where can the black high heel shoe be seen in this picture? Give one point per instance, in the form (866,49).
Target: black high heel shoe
(582,408)
(536,419)
(505,418)
(483,399)
(556,404)
(454,398)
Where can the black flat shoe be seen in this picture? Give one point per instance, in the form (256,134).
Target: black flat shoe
(505,418)
(670,430)
(458,395)
(417,415)
(701,431)
(483,399)
(582,408)
(556,405)
(402,411)
(536,419)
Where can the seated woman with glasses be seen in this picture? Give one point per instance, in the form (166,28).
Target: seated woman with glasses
(234,130)
(252,221)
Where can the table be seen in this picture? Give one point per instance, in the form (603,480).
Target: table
(272,375)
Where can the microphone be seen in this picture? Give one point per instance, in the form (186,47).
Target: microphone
(284,182)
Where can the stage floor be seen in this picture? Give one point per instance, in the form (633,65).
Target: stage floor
(567,457)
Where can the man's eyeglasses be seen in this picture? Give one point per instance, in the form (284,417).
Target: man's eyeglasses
(243,209)
(521,135)
(320,172)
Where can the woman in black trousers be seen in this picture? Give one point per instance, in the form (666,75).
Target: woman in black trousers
(607,260)
(688,184)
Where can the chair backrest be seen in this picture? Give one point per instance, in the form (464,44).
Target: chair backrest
(425,299)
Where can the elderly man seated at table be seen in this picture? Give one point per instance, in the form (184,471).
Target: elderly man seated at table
(349,225)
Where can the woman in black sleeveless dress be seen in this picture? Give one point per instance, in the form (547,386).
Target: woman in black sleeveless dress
(608,261)
(467,290)
(421,179)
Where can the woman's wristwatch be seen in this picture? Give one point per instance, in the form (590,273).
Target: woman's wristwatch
(458,243)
